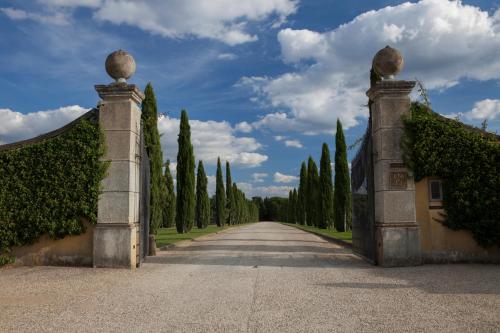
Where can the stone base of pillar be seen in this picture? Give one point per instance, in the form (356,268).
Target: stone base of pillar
(115,246)
(398,246)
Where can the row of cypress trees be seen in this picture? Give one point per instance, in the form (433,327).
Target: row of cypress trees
(165,207)
(315,203)
(192,204)
(231,205)
(318,202)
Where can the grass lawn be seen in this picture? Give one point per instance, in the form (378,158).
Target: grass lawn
(345,236)
(167,236)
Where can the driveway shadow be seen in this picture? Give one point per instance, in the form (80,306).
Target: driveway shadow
(259,240)
(433,279)
(263,248)
(252,259)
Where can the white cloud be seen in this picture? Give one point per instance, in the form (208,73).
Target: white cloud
(57,18)
(485,109)
(442,42)
(243,127)
(293,143)
(302,44)
(264,191)
(211,139)
(16,126)
(279,137)
(227,56)
(223,20)
(289,142)
(211,184)
(15,14)
(282,178)
(173,168)
(259,177)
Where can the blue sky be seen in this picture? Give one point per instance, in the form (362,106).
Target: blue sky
(263,80)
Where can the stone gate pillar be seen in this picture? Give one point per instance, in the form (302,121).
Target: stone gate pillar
(397,235)
(115,235)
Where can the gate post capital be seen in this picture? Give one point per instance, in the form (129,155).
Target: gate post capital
(119,92)
(391,88)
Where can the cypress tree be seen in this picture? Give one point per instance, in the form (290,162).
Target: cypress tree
(289,211)
(342,194)
(325,189)
(220,197)
(202,215)
(312,193)
(169,204)
(213,209)
(292,206)
(152,142)
(184,218)
(236,208)
(296,206)
(302,195)
(230,200)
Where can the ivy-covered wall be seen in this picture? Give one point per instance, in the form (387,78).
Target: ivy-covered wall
(49,186)
(468,162)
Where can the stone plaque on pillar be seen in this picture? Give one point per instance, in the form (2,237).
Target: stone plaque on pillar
(115,243)
(398,180)
(396,230)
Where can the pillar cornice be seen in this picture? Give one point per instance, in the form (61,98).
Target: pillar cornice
(120,91)
(390,88)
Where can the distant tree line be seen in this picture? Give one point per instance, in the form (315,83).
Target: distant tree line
(230,205)
(273,209)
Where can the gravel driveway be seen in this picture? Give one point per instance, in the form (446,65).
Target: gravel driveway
(264,277)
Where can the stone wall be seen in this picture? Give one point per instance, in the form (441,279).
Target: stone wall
(69,251)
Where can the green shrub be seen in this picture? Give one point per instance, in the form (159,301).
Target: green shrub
(468,162)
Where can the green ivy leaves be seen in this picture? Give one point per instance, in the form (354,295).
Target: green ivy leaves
(468,161)
(49,187)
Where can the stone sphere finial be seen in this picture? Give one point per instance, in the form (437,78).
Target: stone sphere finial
(120,65)
(388,62)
